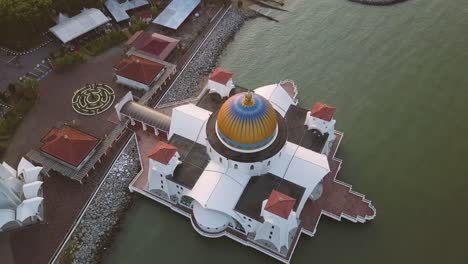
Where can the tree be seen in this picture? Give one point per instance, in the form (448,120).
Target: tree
(12,88)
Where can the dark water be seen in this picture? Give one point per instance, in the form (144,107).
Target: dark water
(399,78)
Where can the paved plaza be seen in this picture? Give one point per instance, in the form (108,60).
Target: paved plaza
(54,105)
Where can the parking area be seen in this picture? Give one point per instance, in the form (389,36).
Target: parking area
(54,105)
(33,65)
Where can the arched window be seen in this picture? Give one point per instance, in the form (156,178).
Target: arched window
(236,166)
(251,167)
(269,162)
(220,160)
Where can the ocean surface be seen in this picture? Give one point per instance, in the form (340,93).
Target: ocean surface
(398,76)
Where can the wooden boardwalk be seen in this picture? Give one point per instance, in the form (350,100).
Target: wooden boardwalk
(338,200)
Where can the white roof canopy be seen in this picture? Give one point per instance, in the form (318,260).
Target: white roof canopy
(176,13)
(189,121)
(119,10)
(6,216)
(217,191)
(307,168)
(277,96)
(30,190)
(69,29)
(28,208)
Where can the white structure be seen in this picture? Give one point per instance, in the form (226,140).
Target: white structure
(69,28)
(20,195)
(220,82)
(321,118)
(252,168)
(138,72)
(225,179)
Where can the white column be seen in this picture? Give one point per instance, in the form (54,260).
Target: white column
(156,131)
(144,126)
(132,121)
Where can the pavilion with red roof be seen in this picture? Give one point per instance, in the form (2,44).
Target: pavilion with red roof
(220,82)
(138,72)
(221,76)
(68,145)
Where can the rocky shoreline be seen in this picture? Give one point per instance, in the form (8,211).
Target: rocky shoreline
(101,219)
(202,64)
(378,2)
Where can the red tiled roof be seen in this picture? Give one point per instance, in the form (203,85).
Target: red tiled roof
(280,204)
(138,69)
(221,76)
(323,111)
(155,44)
(68,144)
(162,152)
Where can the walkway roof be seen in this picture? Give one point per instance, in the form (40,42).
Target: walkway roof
(176,13)
(69,28)
(119,10)
(147,115)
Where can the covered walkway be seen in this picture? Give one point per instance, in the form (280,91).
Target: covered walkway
(142,116)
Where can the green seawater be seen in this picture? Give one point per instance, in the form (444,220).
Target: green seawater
(399,78)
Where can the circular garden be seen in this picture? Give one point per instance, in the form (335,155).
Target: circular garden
(93,99)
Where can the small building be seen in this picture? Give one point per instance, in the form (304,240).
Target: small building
(220,82)
(119,8)
(155,45)
(20,195)
(69,28)
(320,119)
(69,146)
(176,13)
(138,73)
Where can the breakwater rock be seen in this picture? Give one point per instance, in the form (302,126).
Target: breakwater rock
(100,220)
(187,85)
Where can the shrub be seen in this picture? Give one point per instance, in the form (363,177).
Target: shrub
(21,102)
(67,59)
(105,42)
(136,24)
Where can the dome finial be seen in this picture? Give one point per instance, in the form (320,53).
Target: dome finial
(248,100)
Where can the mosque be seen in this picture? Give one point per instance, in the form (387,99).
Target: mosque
(247,164)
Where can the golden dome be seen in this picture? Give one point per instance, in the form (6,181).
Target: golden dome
(247,121)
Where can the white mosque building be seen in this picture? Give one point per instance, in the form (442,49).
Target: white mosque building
(251,167)
(20,195)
